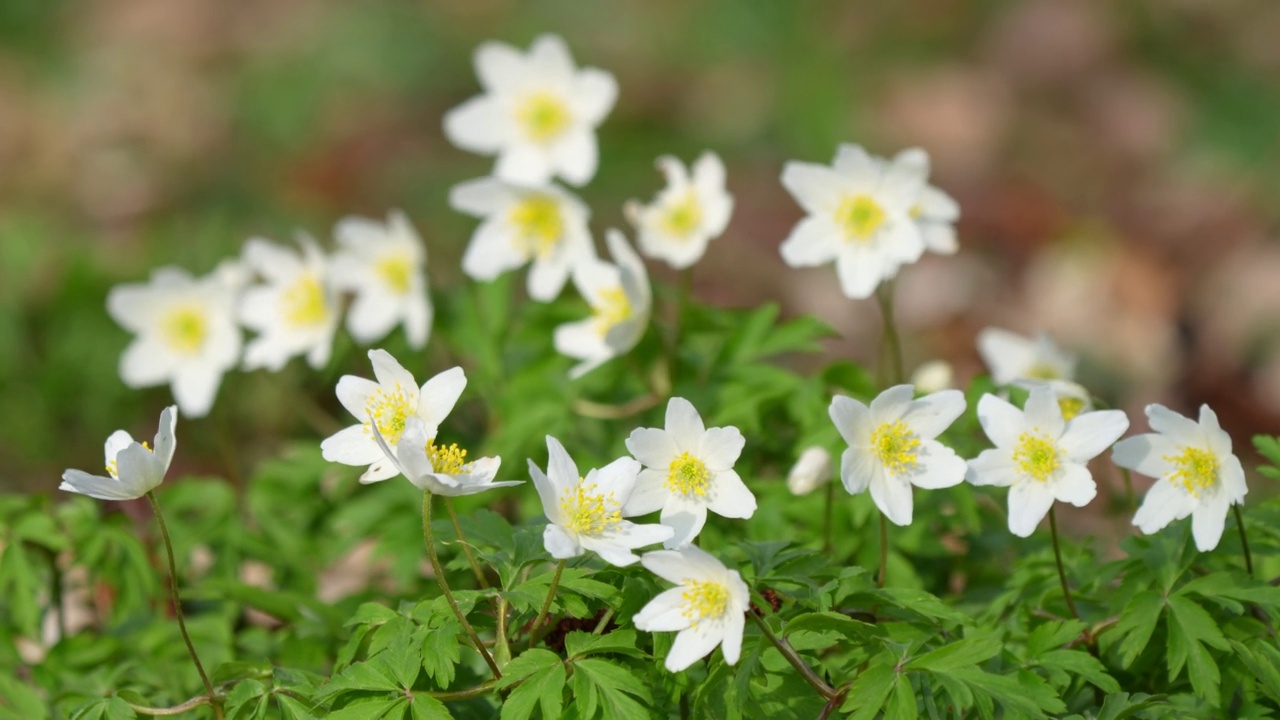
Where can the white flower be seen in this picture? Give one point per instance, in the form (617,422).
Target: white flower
(1011,357)
(859,217)
(689,212)
(186,334)
(545,225)
(295,311)
(1196,473)
(382,263)
(1040,456)
(892,446)
(586,513)
(439,469)
(388,405)
(134,468)
(707,607)
(620,300)
(936,212)
(688,471)
(933,376)
(538,114)
(811,471)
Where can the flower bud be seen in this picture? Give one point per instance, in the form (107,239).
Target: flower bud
(810,472)
(933,376)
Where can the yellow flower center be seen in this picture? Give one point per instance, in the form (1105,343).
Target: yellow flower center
(896,446)
(683,218)
(303,303)
(916,211)
(614,307)
(1043,371)
(446,460)
(543,116)
(704,599)
(185,329)
(1197,469)
(389,411)
(539,225)
(396,271)
(688,475)
(113,467)
(1070,406)
(860,217)
(587,512)
(1037,456)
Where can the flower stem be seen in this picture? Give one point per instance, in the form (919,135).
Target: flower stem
(1057,556)
(788,652)
(466,547)
(884,550)
(177,601)
(827,514)
(546,604)
(1129,503)
(1244,539)
(438,569)
(884,294)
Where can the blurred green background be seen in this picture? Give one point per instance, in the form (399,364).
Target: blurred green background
(1116,164)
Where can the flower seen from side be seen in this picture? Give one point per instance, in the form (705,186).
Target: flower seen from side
(688,470)
(707,607)
(892,446)
(295,309)
(133,469)
(1012,357)
(691,211)
(620,300)
(538,113)
(811,471)
(1040,456)
(1196,473)
(382,265)
(935,213)
(386,407)
(437,468)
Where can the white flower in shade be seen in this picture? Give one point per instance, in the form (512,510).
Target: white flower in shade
(295,312)
(133,468)
(1011,357)
(387,406)
(620,300)
(586,513)
(690,212)
(186,334)
(382,264)
(933,376)
(688,470)
(935,213)
(811,471)
(538,113)
(1039,456)
(707,607)
(543,225)
(1196,473)
(892,446)
(859,217)
(439,469)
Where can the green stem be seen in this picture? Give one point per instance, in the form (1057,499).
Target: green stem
(788,652)
(466,547)
(1057,556)
(827,520)
(546,604)
(884,550)
(187,706)
(884,294)
(177,601)
(438,569)
(1244,539)
(604,622)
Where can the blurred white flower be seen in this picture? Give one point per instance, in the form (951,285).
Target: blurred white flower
(133,469)
(859,217)
(586,513)
(933,376)
(689,212)
(707,607)
(538,113)
(544,225)
(811,471)
(936,213)
(186,334)
(1196,473)
(892,446)
(1039,456)
(439,469)
(295,311)
(1011,357)
(620,300)
(386,406)
(382,264)
(688,471)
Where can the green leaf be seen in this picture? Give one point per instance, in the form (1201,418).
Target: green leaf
(425,707)
(830,622)
(1079,663)
(112,708)
(869,691)
(581,644)
(440,651)
(292,709)
(1268,447)
(1027,693)
(19,702)
(1052,635)
(371,614)
(902,703)
(526,664)
(1261,665)
(617,688)
(372,709)
(247,701)
(544,688)
(1190,629)
(962,653)
(1137,623)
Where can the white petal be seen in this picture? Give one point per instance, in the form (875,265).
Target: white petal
(594,94)
(351,446)
(116,441)
(939,467)
(390,372)
(852,419)
(559,544)
(1044,414)
(479,125)
(353,392)
(146,363)
(938,206)
(684,425)
(438,396)
(561,468)
(481,197)
(648,495)
(581,340)
(549,58)
(817,188)
(490,252)
(1164,503)
(731,645)
(372,316)
(680,566)
(194,388)
(547,278)
(721,447)
(664,613)
(857,469)
(632,535)
(1087,435)
(1208,521)
(1074,484)
(992,467)
(575,157)
(1001,421)
(165,441)
(523,164)
(860,270)
(852,161)
(609,550)
(932,414)
(1176,427)
(686,518)
(893,496)
(1006,354)
(95,486)
(139,472)
(891,404)
(1231,475)
(693,644)
(813,241)
(1145,454)
(939,238)
(729,496)
(617,478)
(547,493)
(1029,502)
(499,66)
(418,317)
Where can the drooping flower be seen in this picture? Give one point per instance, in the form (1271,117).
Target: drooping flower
(439,469)
(1039,456)
(387,406)
(811,471)
(707,607)
(690,212)
(538,113)
(688,470)
(382,264)
(1196,473)
(133,468)
(620,300)
(543,225)
(295,311)
(186,334)
(936,213)
(586,513)
(892,446)
(859,217)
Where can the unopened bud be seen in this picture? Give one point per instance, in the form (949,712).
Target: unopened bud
(933,376)
(810,472)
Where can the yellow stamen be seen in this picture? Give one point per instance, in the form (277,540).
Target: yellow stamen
(538,224)
(1043,371)
(896,446)
(446,460)
(185,329)
(1197,469)
(1037,456)
(860,216)
(303,302)
(1070,406)
(683,217)
(543,116)
(704,599)
(614,307)
(113,467)
(396,271)
(688,475)
(388,410)
(587,512)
